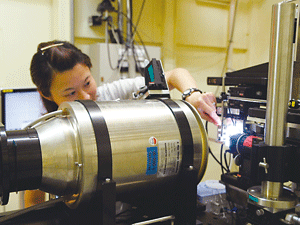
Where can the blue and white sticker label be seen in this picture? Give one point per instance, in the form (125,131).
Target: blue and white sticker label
(169,158)
(152,159)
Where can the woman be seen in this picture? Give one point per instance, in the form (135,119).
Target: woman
(62,73)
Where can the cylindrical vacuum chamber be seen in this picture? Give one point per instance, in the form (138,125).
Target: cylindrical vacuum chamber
(136,144)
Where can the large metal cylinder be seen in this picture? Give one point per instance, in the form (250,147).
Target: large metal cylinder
(137,144)
(280,72)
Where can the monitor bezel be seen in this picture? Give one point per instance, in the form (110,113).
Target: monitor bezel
(4,91)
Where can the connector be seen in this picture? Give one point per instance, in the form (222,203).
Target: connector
(95,21)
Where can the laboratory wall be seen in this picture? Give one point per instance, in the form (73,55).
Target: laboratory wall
(24,24)
(192,34)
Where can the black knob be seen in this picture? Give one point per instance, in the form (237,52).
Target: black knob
(238,160)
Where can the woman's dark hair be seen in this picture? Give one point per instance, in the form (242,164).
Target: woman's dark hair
(52,57)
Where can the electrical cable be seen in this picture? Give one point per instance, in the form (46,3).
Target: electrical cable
(142,43)
(137,63)
(209,150)
(225,161)
(138,20)
(228,47)
(145,52)
(108,50)
(173,52)
(114,33)
(137,35)
(126,48)
(122,58)
(216,159)
(135,29)
(141,40)
(120,61)
(109,22)
(145,34)
(221,159)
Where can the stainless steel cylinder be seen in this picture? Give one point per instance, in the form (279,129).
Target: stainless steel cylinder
(280,72)
(271,190)
(69,155)
(145,140)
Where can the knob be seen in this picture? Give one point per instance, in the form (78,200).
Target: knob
(264,164)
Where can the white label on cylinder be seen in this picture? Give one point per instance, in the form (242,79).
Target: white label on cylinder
(168,158)
(152,141)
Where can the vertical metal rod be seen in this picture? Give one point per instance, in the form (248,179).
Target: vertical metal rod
(279,83)
(129,45)
(232,18)
(120,16)
(280,72)
(129,21)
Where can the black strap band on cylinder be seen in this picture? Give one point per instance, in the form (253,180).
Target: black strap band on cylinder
(102,139)
(4,168)
(20,160)
(25,159)
(185,132)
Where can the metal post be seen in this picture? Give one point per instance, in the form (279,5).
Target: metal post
(280,72)
(120,16)
(129,20)
(129,45)
(279,83)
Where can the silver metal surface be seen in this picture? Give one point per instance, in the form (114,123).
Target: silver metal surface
(271,190)
(286,200)
(292,218)
(88,156)
(43,118)
(70,154)
(132,125)
(120,16)
(260,212)
(264,164)
(158,220)
(129,21)
(247,99)
(59,153)
(280,72)
(272,194)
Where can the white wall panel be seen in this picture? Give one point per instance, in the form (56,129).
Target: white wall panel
(24,24)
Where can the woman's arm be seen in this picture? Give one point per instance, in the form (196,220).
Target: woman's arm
(205,103)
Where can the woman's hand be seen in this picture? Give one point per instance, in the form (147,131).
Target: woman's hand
(206,105)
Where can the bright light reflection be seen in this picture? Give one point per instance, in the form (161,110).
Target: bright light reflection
(230,127)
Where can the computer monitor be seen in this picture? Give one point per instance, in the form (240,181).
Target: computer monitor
(20,106)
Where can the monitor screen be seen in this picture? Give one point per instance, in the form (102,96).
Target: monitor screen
(19,107)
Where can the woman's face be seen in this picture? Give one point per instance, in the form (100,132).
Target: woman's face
(74,84)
